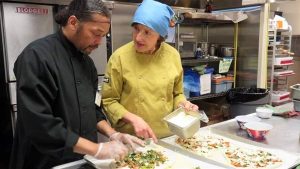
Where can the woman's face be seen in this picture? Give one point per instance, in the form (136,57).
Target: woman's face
(145,39)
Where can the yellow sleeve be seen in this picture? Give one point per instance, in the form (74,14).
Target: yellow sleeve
(178,87)
(111,90)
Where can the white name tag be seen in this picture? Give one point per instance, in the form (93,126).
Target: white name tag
(98,98)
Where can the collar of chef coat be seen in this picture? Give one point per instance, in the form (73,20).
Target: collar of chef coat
(69,45)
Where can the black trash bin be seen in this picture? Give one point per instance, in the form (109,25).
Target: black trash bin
(245,100)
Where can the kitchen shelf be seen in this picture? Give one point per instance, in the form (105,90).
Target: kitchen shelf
(285,75)
(196,61)
(203,18)
(288,64)
(279,56)
(207,96)
(201,21)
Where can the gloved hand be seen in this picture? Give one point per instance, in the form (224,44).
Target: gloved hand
(127,139)
(112,150)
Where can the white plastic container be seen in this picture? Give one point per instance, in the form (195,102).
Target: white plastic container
(182,124)
(264,112)
(280,96)
(283,61)
(296,105)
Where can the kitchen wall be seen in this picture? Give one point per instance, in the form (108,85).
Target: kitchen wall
(291,12)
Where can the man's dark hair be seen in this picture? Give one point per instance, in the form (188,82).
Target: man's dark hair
(82,9)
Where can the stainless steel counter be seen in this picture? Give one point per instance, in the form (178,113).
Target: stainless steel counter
(285,134)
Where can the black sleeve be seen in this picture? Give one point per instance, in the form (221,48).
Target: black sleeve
(36,94)
(100,114)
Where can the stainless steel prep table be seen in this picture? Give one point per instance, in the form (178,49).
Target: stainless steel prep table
(284,135)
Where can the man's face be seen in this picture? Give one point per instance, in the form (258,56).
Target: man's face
(88,35)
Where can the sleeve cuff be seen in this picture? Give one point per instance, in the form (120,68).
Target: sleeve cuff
(71,139)
(178,99)
(116,113)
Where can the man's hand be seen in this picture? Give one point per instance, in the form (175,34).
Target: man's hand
(112,150)
(127,139)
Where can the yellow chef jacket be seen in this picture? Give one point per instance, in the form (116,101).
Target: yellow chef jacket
(150,86)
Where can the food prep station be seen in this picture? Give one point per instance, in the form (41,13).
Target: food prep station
(282,140)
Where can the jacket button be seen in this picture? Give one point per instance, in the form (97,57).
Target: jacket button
(78,81)
(163,99)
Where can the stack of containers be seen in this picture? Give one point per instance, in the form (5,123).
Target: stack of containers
(279,97)
(296,96)
(221,84)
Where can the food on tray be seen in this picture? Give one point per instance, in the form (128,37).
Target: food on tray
(214,147)
(203,144)
(143,160)
(247,158)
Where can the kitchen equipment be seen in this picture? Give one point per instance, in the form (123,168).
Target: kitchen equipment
(213,50)
(226,51)
(187,47)
(258,130)
(185,123)
(242,120)
(264,112)
(296,91)
(296,105)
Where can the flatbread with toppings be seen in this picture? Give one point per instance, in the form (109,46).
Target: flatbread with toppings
(139,160)
(203,145)
(224,151)
(252,159)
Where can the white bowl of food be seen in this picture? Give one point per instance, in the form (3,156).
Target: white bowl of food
(264,112)
(258,130)
(242,120)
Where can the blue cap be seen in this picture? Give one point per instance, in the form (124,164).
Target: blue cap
(154,15)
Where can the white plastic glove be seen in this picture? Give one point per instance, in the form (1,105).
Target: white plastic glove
(131,141)
(112,150)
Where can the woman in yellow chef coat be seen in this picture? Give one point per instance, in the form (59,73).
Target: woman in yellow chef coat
(144,78)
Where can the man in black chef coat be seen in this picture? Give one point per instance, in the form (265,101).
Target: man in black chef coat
(57,81)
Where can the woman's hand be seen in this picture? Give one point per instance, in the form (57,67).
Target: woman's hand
(188,106)
(141,128)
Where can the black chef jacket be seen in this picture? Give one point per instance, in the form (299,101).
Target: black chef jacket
(56,89)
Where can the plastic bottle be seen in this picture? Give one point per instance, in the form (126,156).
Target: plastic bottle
(198,53)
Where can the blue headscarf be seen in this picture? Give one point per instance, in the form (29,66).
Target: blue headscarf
(154,15)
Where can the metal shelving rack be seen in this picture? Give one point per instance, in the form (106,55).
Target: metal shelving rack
(279,56)
(204,24)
